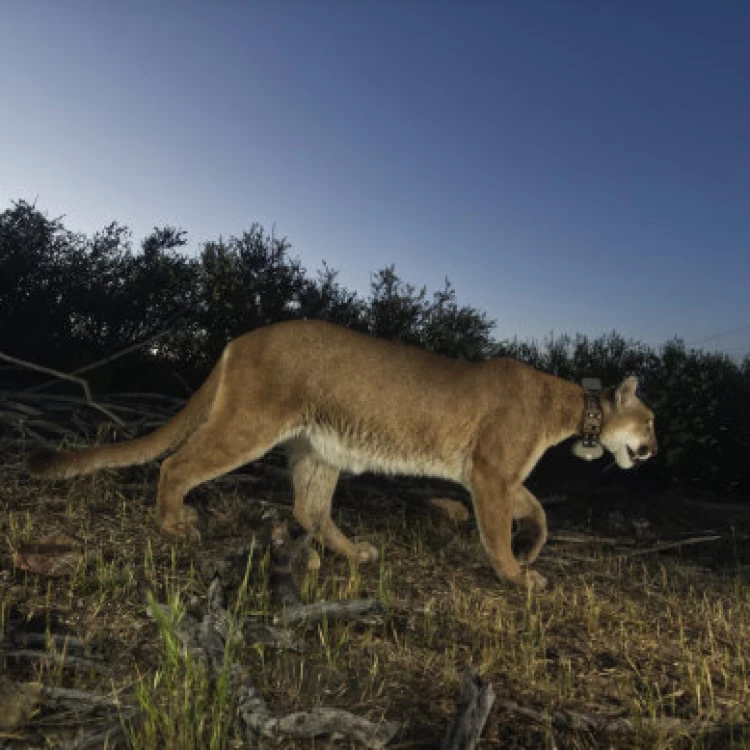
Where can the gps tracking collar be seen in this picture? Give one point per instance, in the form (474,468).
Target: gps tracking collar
(588,446)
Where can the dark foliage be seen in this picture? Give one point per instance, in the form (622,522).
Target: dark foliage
(67,300)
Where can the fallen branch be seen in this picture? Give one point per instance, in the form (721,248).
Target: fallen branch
(64,376)
(475,699)
(333,722)
(206,639)
(255,632)
(25,409)
(118,717)
(105,738)
(39,440)
(368,611)
(671,545)
(573,537)
(61,643)
(604,724)
(77,663)
(72,699)
(102,362)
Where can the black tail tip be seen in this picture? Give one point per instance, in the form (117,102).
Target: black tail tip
(42,463)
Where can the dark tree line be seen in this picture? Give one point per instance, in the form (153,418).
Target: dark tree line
(67,299)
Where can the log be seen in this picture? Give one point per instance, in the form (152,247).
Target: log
(475,699)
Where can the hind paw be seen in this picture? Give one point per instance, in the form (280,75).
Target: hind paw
(364,553)
(183,525)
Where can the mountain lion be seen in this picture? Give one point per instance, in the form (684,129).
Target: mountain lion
(343,401)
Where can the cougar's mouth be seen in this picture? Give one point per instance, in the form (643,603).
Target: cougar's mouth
(635,457)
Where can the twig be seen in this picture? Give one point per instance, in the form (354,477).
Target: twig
(671,545)
(64,376)
(62,643)
(257,632)
(25,409)
(38,439)
(71,698)
(362,610)
(573,537)
(109,736)
(101,362)
(74,662)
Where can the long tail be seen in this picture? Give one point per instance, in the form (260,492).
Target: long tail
(52,464)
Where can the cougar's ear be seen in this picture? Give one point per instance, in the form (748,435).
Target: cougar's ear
(625,392)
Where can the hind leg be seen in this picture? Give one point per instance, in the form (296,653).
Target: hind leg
(532,526)
(212,451)
(314,483)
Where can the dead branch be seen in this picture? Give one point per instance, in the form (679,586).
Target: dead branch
(107,737)
(574,537)
(64,376)
(671,545)
(25,409)
(38,439)
(77,663)
(368,611)
(259,720)
(604,724)
(61,643)
(102,362)
(475,699)
(256,632)
(71,699)
(206,640)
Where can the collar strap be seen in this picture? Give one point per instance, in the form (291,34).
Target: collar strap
(592,411)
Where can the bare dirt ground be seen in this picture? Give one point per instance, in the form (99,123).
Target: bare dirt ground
(636,644)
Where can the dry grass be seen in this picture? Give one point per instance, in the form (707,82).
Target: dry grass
(647,639)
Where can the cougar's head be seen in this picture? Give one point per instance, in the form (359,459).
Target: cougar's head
(628,425)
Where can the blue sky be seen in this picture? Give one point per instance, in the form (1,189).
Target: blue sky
(570,166)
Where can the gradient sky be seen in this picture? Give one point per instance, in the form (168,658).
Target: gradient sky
(570,166)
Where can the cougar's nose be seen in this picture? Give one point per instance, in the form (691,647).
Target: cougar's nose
(644,451)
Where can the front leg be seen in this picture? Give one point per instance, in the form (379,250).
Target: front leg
(493,497)
(532,526)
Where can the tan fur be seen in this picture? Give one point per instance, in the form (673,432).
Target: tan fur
(338,400)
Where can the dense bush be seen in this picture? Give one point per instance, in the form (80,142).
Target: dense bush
(67,300)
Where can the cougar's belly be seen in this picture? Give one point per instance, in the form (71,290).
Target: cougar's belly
(377,454)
